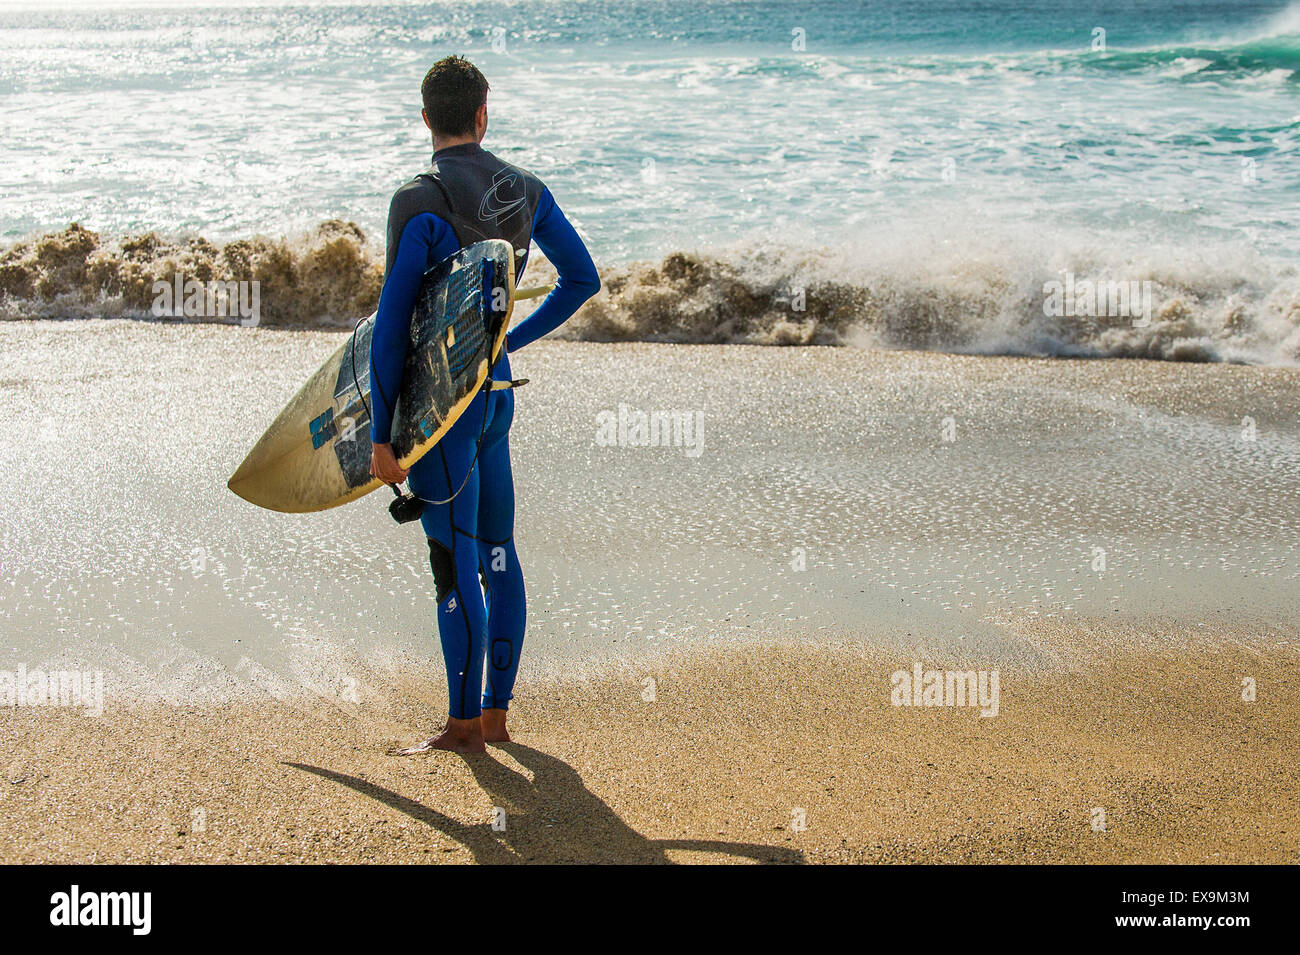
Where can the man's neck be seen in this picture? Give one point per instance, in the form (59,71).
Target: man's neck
(440,143)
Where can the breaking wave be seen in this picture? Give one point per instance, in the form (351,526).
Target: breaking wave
(1275,56)
(984,295)
(978,294)
(1272,51)
(326,277)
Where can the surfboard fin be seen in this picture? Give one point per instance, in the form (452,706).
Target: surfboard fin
(537,291)
(503,385)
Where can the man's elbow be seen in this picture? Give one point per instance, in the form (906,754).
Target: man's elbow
(587,283)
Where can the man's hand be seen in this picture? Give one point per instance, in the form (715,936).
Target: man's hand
(383,464)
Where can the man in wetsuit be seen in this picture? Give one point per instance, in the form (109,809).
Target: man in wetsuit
(466,196)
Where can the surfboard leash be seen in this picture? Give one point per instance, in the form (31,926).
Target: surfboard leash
(409,507)
(406,507)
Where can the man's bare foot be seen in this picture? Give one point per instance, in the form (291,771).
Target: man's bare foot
(459,736)
(494,726)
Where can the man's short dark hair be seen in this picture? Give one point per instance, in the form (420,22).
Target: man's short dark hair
(453,90)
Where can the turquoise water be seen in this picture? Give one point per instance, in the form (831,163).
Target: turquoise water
(894,132)
(231,118)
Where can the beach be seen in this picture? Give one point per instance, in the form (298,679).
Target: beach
(716,621)
(787,756)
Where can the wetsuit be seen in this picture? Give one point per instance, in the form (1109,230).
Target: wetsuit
(465,196)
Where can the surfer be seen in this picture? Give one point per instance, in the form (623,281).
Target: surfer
(468,195)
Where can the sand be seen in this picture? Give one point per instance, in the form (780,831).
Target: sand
(791,755)
(1116,539)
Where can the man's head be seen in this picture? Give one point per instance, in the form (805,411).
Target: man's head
(455,100)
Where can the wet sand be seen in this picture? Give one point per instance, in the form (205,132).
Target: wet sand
(896,498)
(715,769)
(1115,538)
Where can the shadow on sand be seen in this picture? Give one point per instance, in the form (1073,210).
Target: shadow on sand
(551,818)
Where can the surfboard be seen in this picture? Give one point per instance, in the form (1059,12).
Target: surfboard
(316,453)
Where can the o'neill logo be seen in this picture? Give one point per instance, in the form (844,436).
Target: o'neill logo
(134,909)
(494,208)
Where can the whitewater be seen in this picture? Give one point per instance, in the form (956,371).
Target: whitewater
(912,176)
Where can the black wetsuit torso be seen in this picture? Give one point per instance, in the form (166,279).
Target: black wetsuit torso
(477,194)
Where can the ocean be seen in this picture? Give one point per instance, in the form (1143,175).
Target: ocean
(918,170)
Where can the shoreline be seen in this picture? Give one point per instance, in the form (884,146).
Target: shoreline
(715,768)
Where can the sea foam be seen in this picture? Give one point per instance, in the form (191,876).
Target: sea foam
(972,292)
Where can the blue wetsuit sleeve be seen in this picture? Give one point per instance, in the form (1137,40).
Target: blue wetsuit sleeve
(425,239)
(578,279)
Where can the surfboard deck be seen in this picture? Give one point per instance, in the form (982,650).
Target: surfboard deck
(316,453)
